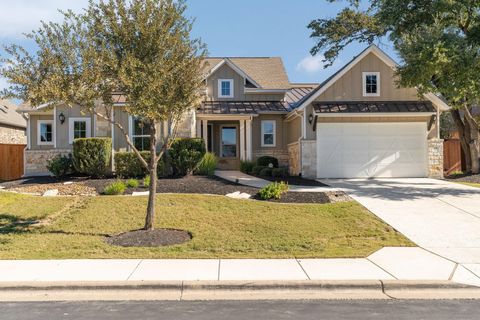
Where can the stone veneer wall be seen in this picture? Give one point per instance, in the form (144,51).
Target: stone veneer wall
(10,135)
(281,155)
(309,159)
(36,160)
(294,159)
(435,158)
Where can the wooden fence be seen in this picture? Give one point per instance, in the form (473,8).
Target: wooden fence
(11,161)
(452,156)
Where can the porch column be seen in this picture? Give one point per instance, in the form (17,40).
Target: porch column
(205,132)
(249,139)
(198,124)
(242,140)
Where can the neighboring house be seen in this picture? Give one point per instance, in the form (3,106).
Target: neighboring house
(355,124)
(13,126)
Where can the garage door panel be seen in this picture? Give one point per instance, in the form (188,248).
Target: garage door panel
(359,150)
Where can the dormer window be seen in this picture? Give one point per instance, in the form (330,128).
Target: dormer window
(371,84)
(225,88)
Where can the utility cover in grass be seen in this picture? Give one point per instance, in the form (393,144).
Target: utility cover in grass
(153,238)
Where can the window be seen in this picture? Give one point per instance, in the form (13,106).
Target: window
(229,142)
(268,133)
(225,88)
(371,84)
(45,132)
(140,134)
(79,128)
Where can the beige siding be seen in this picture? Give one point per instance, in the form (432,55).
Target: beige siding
(257,132)
(225,72)
(350,86)
(294,130)
(34,131)
(63,130)
(121,116)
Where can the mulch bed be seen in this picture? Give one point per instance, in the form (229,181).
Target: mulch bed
(153,238)
(471,178)
(188,185)
(296,181)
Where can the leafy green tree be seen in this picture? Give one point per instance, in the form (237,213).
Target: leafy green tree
(438,42)
(141,49)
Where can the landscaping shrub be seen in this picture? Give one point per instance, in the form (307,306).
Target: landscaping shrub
(279,172)
(127,165)
(92,156)
(146,181)
(132,183)
(115,188)
(247,166)
(273,190)
(186,154)
(257,169)
(266,172)
(265,161)
(60,165)
(208,165)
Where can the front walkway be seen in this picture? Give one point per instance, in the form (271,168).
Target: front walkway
(440,216)
(385,264)
(251,181)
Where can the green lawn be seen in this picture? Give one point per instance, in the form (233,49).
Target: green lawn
(221,228)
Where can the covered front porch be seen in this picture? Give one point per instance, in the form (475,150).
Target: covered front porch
(229,137)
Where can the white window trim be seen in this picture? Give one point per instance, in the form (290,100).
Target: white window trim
(232,93)
(71,127)
(130,132)
(39,125)
(274,133)
(364,84)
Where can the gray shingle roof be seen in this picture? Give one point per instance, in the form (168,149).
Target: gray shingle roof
(10,116)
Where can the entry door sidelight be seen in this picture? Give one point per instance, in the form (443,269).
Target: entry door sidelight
(229,142)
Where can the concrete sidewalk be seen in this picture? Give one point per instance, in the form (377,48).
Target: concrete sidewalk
(251,181)
(385,264)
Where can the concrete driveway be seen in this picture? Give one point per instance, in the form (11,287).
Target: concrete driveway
(440,216)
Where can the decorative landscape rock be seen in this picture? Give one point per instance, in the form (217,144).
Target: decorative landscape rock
(68,183)
(239,195)
(51,193)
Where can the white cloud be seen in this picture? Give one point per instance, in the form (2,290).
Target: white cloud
(22,16)
(311,64)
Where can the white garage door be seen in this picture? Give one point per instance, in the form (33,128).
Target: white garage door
(366,150)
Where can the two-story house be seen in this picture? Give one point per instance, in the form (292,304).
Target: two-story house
(357,123)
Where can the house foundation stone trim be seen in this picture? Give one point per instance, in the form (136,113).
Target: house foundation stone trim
(36,160)
(309,159)
(435,158)
(294,159)
(281,155)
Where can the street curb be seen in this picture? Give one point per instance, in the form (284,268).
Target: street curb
(235,290)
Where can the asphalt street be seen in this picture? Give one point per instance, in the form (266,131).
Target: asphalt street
(236,310)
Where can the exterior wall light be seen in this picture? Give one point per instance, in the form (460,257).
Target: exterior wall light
(310,118)
(61,117)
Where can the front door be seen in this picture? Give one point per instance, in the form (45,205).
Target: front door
(229,158)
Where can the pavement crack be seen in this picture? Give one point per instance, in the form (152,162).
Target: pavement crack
(135,269)
(384,292)
(303,269)
(453,272)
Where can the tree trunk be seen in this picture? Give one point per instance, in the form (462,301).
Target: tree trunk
(152,168)
(463,134)
(473,140)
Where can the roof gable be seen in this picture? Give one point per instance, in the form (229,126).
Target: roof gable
(266,73)
(372,49)
(9,115)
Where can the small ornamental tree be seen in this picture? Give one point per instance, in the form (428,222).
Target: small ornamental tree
(438,42)
(139,49)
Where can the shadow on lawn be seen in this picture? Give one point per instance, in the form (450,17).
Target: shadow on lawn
(10,223)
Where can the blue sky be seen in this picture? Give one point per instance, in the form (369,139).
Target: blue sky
(228,27)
